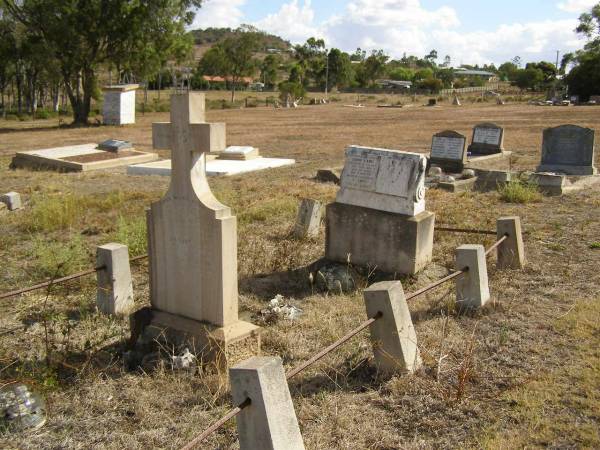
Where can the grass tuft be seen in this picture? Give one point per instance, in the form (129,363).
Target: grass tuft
(520,192)
(132,233)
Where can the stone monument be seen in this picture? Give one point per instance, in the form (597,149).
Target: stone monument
(378,219)
(488,139)
(119,104)
(448,151)
(192,245)
(210,138)
(568,149)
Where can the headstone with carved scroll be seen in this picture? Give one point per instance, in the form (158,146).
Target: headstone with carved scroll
(379,219)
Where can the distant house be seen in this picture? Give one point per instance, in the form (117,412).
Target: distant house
(462,72)
(394,84)
(244,81)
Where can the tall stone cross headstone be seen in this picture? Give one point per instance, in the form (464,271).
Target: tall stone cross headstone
(568,149)
(208,137)
(192,240)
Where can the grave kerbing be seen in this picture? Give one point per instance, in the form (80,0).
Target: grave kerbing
(192,242)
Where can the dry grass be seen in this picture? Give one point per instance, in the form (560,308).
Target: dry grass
(527,363)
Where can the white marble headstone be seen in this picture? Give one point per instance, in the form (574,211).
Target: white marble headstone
(386,180)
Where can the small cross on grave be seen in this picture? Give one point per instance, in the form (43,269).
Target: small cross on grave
(192,243)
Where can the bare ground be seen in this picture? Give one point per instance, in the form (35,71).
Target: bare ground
(531,379)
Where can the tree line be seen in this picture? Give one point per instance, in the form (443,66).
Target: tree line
(61,51)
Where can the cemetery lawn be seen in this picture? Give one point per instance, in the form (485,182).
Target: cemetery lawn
(524,372)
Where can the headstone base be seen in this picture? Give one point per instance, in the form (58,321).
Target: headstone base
(552,184)
(221,347)
(568,170)
(388,242)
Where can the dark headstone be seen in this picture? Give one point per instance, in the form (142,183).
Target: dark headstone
(568,149)
(432,102)
(114,145)
(488,139)
(448,151)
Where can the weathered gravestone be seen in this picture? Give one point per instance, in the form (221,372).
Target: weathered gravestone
(308,221)
(192,245)
(488,139)
(448,151)
(119,104)
(568,149)
(378,219)
(208,137)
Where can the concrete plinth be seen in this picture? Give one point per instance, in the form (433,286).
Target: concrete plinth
(220,347)
(269,422)
(393,334)
(385,241)
(472,289)
(115,288)
(12,200)
(511,253)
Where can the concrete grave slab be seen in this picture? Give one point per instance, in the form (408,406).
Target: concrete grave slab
(214,168)
(79,158)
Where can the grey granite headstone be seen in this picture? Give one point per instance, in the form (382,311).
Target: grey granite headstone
(448,151)
(114,145)
(488,139)
(568,149)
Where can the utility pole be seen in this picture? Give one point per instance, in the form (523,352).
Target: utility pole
(557,55)
(327,74)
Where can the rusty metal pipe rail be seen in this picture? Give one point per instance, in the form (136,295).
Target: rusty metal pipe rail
(464,230)
(295,371)
(54,281)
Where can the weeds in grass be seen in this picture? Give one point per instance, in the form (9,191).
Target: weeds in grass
(51,213)
(132,233)
(59,258)
(595,246)
(520,192)
(268,210)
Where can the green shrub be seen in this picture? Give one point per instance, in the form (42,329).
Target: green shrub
(595,246)
(520,192)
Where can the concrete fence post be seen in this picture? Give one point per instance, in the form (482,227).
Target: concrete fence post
(511,253)
(472,289)
(269,422)
(393,335)
(115,288)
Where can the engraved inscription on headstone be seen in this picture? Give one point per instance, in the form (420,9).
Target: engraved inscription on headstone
(387,180)
(361,172)
(568,149)
(448,151)
(488,138)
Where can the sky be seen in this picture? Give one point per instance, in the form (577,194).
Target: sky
(470,32)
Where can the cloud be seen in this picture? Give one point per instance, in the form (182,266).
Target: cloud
(577,6)
(219,13)
(406,26)
(293,21)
